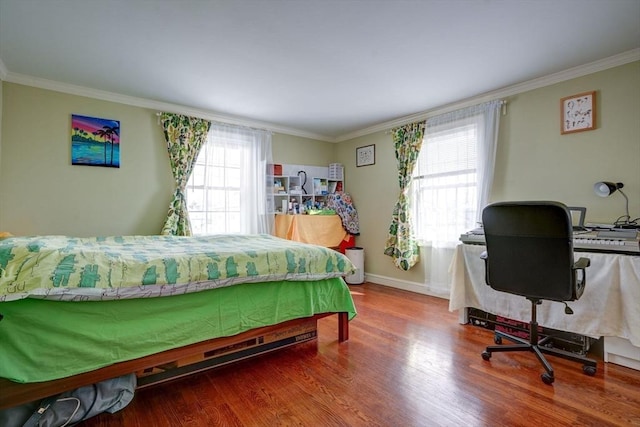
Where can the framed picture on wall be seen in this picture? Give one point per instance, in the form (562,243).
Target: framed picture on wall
(366,155)
(578,112)
(95,141)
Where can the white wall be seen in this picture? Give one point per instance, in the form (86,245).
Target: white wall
(1,85)
(534,161)
(42,193)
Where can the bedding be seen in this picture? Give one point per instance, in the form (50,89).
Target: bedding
(102,268)
(44,340)
(74,305)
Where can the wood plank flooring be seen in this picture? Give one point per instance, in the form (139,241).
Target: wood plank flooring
(407,363)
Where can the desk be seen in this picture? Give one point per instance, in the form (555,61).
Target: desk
(323,230)
(609,307)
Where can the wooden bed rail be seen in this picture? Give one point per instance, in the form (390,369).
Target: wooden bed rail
(13,394)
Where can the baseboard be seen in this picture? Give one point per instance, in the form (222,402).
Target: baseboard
(621,352)
(420,288)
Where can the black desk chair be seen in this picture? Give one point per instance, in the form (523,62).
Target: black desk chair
(530,253)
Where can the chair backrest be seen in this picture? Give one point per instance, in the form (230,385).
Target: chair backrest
(530,249)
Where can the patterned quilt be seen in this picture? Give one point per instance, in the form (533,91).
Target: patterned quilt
(343,205)
(96,268)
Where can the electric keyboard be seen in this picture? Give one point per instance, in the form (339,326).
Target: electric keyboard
(627,241)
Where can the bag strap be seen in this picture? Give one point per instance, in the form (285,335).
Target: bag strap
(34,419)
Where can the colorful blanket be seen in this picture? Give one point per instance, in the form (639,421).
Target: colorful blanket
(97,268)
(343,205)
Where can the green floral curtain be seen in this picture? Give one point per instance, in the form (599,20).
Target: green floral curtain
(184,136)
(401,245)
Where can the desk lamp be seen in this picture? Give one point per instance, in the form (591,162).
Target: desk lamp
(605,189)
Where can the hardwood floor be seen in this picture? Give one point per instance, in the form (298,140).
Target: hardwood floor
(407,363)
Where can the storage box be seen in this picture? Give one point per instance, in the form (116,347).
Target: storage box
(336,171)
(273,169)
(482,318)
(567,341)
(515,327)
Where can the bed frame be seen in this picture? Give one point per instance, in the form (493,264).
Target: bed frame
(13,394)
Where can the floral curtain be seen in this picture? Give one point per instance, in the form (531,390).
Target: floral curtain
(401,245)
(184,136)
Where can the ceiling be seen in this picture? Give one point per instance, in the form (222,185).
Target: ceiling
(325,69)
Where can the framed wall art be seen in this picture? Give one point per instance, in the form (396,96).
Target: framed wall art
(578,112)
(366,155)
(95,141)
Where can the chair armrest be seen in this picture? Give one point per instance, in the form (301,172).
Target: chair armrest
(485,256)
(582,263)
(580,282)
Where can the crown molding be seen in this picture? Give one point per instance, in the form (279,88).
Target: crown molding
(155,105)
(571,73)
(579,71)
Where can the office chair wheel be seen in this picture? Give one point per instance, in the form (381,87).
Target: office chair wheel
(497,339)
(486,355)
(589,370)
(546,378)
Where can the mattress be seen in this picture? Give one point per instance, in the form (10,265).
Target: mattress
(117,267)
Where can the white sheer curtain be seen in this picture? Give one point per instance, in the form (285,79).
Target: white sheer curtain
(452,183)
(256,154)
(229,186)
(487,146)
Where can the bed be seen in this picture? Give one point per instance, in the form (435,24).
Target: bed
(76,311)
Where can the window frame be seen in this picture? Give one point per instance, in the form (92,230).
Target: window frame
(427,229)
(229,213)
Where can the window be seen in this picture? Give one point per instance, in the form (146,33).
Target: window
(226,192)
(213,191)
(444,187)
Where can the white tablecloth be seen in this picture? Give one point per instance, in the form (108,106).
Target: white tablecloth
(610,305)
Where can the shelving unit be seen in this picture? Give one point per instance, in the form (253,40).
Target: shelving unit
(288,190)
(325,186)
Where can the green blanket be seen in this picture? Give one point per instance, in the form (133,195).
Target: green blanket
(42,340)
(103,268)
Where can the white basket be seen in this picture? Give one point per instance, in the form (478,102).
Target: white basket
(356,256)
(336,171)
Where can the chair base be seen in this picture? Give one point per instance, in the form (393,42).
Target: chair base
(538,348)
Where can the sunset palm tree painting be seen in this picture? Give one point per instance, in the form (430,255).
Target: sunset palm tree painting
(95,141)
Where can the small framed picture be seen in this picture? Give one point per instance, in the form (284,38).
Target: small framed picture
(366,155)
(578,112)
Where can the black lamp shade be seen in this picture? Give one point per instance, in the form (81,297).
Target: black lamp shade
(605,188)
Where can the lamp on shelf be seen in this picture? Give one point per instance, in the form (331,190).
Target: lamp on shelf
(605,189)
